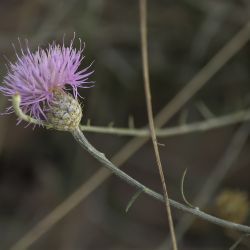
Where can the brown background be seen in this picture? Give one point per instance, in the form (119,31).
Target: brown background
(40,168)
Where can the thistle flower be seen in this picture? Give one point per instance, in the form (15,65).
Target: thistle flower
(43,78)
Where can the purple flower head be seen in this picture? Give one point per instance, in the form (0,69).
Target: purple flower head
(37,76)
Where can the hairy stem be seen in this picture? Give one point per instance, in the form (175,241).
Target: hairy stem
(81,139)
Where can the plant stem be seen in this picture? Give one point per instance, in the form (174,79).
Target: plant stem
(200,126)
(82,140)
(145,64)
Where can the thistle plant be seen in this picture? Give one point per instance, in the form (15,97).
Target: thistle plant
(43,88)
(42,80)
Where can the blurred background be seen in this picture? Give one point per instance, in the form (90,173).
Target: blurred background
(40,168)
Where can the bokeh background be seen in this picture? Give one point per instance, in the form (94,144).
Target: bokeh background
(40,168)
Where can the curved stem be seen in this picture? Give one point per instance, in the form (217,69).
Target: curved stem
(16,101)
(81,139)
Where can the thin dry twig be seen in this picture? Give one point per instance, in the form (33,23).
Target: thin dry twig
(145,64)
(196,83)
(223,166)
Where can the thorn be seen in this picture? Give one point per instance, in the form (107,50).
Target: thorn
(111,125)
(88,122)
(161,144)
(183,116)
(182,191)
(131,122)
(133,199)
(204,110)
